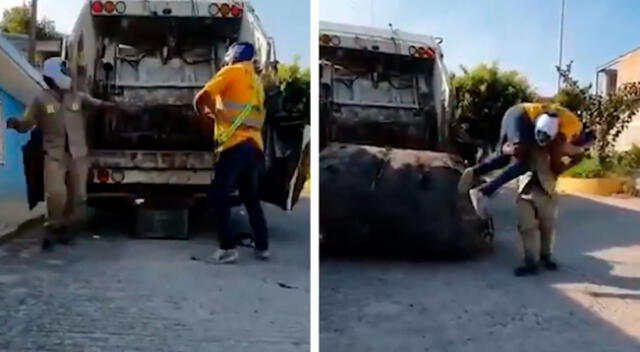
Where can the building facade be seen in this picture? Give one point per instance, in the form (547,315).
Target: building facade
(611,76)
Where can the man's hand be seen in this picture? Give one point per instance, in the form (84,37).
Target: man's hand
(515,149)
(12,123)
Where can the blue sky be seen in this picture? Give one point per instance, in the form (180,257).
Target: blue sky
(286,20)
(520,35)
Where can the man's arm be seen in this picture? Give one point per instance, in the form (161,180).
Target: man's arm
(573,161)
(29,119)
(204,103)
(89,102)
(557,149)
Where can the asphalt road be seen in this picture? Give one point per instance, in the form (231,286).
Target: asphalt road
(592,304)
(113,293)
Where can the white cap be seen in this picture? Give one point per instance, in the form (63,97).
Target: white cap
(54,68)
(546,125)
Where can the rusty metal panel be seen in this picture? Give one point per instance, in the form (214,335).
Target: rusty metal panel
(135,159)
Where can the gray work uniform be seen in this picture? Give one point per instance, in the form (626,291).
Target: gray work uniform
(62,120)
(537,207)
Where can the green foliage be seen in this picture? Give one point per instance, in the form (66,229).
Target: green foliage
(625,163)
(18,18)
(587,168)
(607,115)
(482,95)
(295,85)
(620,164)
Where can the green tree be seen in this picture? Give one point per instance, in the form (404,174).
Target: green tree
(18,18)
(608,116)
(295,85)
(482,95)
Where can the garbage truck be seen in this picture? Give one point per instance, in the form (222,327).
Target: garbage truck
(387,172)
(152,57)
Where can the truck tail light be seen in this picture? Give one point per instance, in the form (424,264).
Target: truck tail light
(335,41)
(97,7)
(214,9)
(225,9)
(424,52)
(325,39)
(236,10)
(117,176)
(109,7)
(121,7)
(102,175)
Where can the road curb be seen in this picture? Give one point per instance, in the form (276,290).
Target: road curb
(11,233)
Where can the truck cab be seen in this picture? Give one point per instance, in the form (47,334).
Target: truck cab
(152,57)
(383,87)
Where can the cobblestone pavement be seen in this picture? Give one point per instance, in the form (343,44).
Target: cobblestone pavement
(113,293)
(592,304)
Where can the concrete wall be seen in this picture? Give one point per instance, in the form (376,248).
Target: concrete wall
(13,195)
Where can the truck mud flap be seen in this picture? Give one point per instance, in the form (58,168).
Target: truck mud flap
(33,160)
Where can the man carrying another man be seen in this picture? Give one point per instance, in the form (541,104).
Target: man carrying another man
(524,127)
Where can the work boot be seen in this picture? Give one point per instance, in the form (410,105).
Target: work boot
(47,242)
(548,263)
(263,255)
(480,203)
(223,256)
(63,236)
(466,180)
(528,269)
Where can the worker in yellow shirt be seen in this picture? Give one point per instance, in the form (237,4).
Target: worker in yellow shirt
(234,99)
(524,126)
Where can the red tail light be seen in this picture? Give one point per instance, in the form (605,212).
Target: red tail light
(236,11)
(224,10)
(102,175)
(109,7)
(325,39)
(97,7)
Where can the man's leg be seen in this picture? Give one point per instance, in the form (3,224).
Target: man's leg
(77,193)
(225,178)
(547,212)
(56,198)
(513,171)
(249,193)
(528,228)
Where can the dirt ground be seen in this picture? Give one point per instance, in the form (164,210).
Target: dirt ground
(592,304)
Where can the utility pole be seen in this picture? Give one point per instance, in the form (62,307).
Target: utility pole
(32,32)
(561,43)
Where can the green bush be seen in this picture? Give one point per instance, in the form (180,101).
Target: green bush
(622,164)
(588,168)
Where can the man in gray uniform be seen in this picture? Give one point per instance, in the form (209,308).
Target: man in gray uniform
(59,112)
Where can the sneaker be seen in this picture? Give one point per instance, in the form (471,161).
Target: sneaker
(526,270)
(262,255)
(548,263)
(480,203)
(466,180)
(223,256)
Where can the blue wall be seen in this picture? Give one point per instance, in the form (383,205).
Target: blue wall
(12,182)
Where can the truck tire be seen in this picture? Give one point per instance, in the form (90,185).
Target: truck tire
(396,202)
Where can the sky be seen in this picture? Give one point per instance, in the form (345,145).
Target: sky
(521,35)
(285,20)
